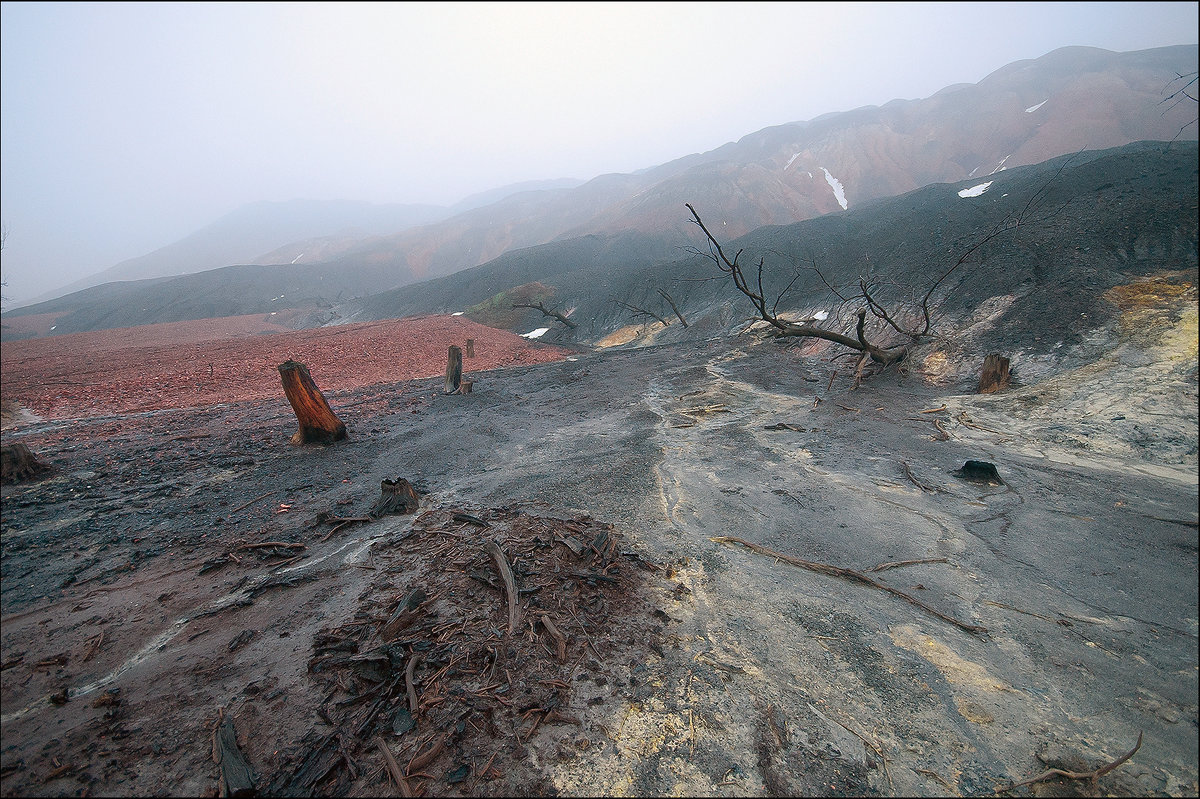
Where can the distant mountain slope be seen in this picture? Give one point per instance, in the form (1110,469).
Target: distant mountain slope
(250,231)
(1071,99)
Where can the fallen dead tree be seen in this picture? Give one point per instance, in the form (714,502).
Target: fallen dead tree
(899,319)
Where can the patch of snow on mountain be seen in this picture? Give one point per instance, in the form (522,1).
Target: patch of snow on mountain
(790,160)
(541,331)
(1000,166)
(458,313)
(975,191)
(298,257)
(1033,108)
(838,191)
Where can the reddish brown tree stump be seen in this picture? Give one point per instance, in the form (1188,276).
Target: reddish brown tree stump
(318,423)
(995,375)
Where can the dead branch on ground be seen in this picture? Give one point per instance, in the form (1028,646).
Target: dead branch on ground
(1091,776)
(848,574)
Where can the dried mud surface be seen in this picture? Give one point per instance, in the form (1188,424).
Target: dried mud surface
(691,666)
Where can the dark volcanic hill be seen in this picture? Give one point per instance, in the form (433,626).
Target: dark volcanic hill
(1095,220)
(1070,100)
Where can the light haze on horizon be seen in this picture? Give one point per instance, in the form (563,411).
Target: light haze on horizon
(125,127)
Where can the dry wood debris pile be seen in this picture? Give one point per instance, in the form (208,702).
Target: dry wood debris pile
(467,644)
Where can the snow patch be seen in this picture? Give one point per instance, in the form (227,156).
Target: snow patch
(1033,108)
(1000,166)
(975,191)
(541,331)
(458,313)
(790,160)
(838,191)
(298,257)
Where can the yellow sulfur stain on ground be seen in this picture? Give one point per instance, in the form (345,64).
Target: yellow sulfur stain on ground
(956,670)
(624,335)
(1148,307)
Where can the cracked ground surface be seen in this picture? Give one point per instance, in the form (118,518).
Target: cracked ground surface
(760,678)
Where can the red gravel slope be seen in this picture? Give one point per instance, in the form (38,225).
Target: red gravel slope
(186,364)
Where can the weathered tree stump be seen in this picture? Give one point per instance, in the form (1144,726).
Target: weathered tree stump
(453,369)
(18,463)
(470,348)
(318,424)
(396,497)
(995,375)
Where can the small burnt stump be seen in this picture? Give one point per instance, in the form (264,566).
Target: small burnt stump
(980,472)
(396,498)
(18,464)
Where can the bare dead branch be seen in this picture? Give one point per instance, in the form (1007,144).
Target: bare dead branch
(674,307)
(1092,776)
(636,311)
(538,306)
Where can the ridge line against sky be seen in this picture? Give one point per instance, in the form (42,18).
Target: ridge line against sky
(126,126)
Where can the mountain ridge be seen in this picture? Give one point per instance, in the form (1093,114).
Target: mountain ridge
(775,176)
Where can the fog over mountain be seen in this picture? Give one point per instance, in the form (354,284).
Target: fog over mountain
(1020,115)
(123,135)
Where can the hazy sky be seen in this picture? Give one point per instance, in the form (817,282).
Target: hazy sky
(128,126)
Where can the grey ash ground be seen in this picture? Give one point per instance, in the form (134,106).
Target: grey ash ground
(709,669)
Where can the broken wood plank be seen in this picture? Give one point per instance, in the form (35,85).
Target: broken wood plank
(237,778)
(510,585)
(559,639)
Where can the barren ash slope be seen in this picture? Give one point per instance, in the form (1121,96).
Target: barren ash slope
(682,512)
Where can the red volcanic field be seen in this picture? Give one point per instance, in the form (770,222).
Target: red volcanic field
(185,364)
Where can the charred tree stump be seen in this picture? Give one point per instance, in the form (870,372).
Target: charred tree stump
(995,375)
(396,497)
(237,777)
(18,463)
(453,369)
(470,348)
(318,424)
